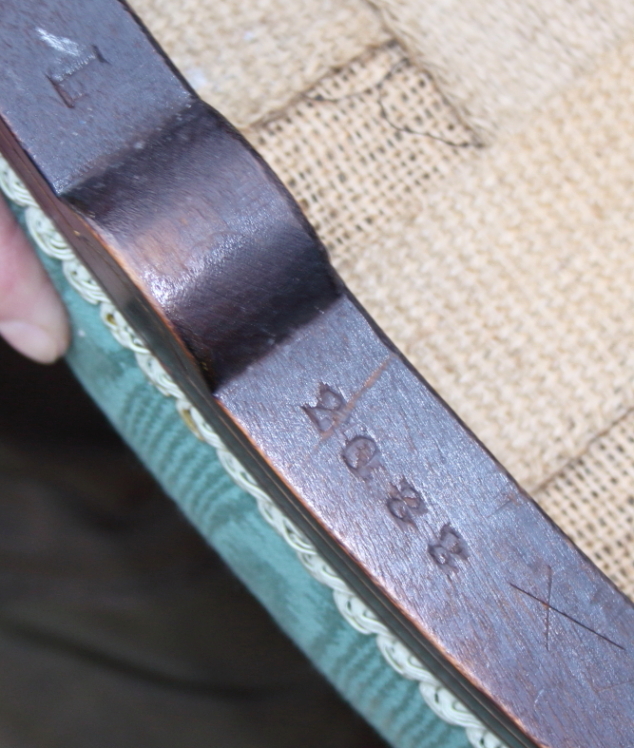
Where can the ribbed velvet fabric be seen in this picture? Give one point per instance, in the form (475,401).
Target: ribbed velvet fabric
(229,520)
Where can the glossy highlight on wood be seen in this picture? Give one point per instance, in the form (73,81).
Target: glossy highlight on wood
(210,259)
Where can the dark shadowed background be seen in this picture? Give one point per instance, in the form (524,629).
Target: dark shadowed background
(118,625)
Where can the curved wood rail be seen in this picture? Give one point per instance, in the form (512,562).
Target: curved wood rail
(210,259)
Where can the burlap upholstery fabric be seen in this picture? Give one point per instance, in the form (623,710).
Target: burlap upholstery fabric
(498,60)
(346,151)
(505,273)
(498,271)
(250,58)
(592,498)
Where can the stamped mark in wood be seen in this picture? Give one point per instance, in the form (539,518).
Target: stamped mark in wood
(73,63)
(449,549)
(328,411)
(362,455)
(404,501)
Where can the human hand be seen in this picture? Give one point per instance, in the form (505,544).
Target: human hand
(32,317)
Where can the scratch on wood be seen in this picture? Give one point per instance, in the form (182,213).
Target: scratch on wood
(613,685)
(567,616)
(550,588)
(500,508)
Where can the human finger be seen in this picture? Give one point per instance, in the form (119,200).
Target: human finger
(32,317)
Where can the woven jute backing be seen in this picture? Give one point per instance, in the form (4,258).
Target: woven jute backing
(251,57)
(504,273)
(363,146)
(592,499)
(499,60)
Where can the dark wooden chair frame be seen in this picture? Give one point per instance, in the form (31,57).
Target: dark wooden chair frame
(212,262)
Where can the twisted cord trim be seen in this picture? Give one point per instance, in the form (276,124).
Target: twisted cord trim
(440,700)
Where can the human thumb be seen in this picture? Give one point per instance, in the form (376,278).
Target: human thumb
(32,317)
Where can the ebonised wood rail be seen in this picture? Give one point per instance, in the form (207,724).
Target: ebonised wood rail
(210,259)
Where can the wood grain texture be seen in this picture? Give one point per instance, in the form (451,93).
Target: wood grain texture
(210,259)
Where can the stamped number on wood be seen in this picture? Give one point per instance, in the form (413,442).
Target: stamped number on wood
(362,456)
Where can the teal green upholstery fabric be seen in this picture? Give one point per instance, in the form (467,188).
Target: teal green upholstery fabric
(230,521)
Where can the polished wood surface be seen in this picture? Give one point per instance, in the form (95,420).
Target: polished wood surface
(210,259)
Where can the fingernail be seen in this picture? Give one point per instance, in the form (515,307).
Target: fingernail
(31,340)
